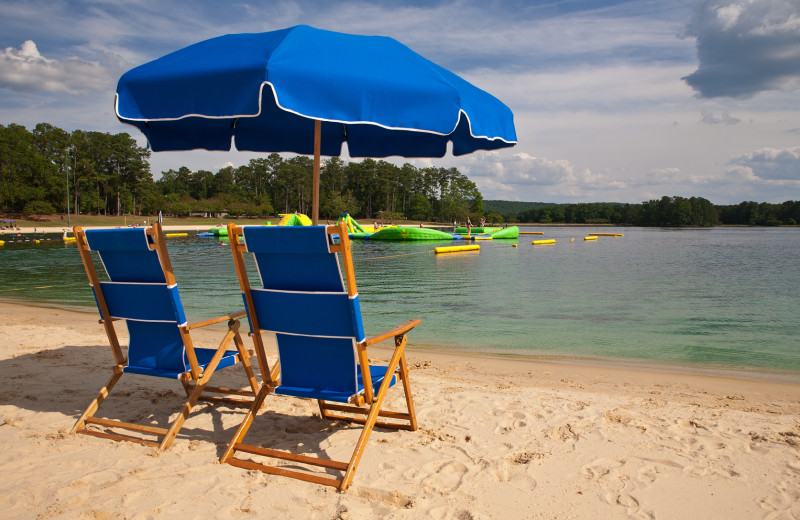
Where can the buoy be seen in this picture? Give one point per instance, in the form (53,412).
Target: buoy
(177,234)
(572,240)
(531,232)
(606,234)
(456,249)
(513,245)
(2,242)
(543,242)
(590,238)
(38,241)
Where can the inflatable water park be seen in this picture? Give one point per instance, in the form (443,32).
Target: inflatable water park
(357,231)
(408,233)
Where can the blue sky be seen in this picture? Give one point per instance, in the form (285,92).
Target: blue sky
(614,100)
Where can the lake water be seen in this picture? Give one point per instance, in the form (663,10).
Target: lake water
(722,298)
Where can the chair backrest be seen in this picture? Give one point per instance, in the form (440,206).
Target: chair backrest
(302,298)
(142,292)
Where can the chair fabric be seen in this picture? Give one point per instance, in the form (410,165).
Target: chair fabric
(303,300)
(322,350)
(141,291)
(138,293)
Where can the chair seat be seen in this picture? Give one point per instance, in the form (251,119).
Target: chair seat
(377,373)
(204,356)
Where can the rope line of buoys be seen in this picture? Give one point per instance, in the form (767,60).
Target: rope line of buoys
(41,287)
(401,254)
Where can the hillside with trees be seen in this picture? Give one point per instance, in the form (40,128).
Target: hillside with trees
(49,170)
(110,175)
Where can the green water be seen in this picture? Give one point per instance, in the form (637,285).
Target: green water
(721,297)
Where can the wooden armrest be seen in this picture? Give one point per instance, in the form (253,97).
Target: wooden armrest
(218,319)
(396,331)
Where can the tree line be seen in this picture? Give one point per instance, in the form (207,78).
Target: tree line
(666,212)
(366,189)
(49,170)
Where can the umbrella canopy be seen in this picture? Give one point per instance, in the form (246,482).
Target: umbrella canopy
(308,91)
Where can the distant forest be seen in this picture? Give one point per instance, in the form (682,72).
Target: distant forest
(667,211)
(49,170)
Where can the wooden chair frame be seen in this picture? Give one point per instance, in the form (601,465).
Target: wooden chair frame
(367,406)
(194,380)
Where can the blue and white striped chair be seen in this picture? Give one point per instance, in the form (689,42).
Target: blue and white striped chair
(320,338)
(142,291)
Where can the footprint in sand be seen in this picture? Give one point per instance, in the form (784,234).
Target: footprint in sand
(648,474)
(445,476)
(600,468)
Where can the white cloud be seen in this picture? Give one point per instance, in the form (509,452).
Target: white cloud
(25,69)
(769,164)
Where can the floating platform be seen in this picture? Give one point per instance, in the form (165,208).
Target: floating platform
(456,249)
(511,232)
(410,233)
(216,232)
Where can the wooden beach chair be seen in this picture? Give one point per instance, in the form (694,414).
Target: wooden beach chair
(321,344)
(142,291)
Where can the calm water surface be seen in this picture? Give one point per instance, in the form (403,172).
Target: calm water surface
(721,297)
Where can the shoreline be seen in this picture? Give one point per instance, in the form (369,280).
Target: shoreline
(733,373)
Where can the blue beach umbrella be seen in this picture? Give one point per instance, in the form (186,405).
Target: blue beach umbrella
(308,91)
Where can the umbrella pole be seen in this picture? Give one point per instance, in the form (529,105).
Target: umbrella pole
(315,181)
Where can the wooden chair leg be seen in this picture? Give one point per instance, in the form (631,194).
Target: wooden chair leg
(244,355)
(95,404)
(407,390)
(246,423)
(374,410)
(176,425)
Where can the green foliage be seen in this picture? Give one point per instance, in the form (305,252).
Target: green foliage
(760,214)
(511,207)
(419,207)
(48,169)
(494,218)
(103,173)
(39,207)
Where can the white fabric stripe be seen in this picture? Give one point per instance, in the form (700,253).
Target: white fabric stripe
(140,283)
(284,291)
(149,321)
(306,116)
(308,335)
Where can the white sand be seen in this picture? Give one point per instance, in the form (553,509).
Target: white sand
(501,439)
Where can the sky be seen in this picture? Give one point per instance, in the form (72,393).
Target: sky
(613,100)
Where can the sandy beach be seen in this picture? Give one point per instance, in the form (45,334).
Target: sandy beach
(499,438)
